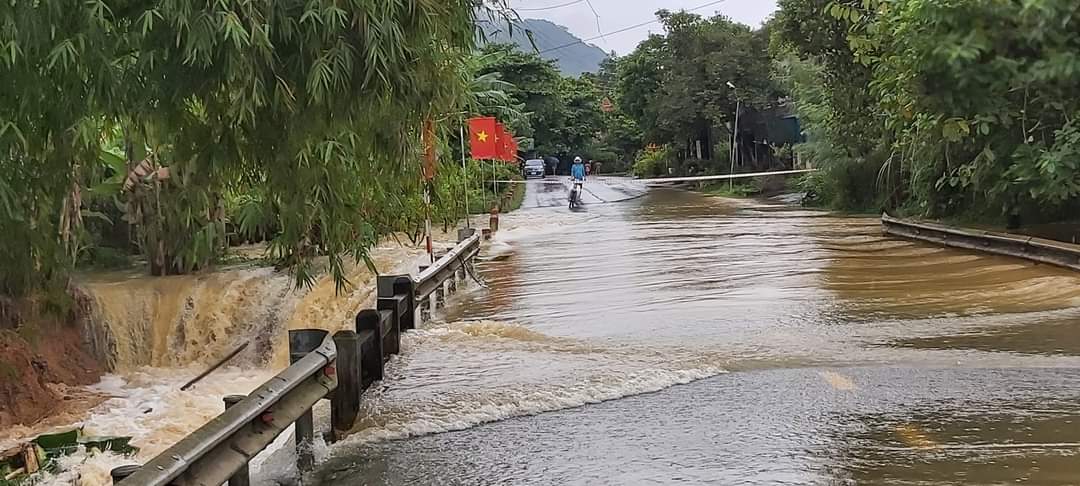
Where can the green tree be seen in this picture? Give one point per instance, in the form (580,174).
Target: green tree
(319,103)
(534,85)
(814,62)
(960,107)
(563,115)
(677,87)
(580,120)
(980,98)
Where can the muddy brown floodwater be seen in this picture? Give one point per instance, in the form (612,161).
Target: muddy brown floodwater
(676,338)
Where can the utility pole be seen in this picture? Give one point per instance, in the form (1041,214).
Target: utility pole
(734,135)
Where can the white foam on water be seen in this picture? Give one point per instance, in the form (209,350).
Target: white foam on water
(509,371)
(147,405)
(470,409)
(82,469)
(175,326)
(276,465)
(523,225)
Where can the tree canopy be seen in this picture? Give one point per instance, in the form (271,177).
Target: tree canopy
(562,114)
(957,107)
(315,105)
(677,87)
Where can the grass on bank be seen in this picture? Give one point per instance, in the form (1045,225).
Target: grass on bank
(510,198)
(725,189)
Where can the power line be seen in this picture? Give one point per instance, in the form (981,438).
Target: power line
(624,29)
(597,15)
(553,7)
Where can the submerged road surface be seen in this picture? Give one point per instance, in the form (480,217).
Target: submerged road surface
(679,339)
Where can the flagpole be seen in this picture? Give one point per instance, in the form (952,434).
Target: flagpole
(430,163)
(427,222)
(495,182)
(465,171)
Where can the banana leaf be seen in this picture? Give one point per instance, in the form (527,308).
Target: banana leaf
(67,441)
(117,444)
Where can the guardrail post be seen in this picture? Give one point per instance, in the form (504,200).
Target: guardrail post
(120,473)
(397,290)
(438,299)
(427,306)
(302,342)
(372,363)
(424,309)
(305,434)
(462,235)
(345,404)
(243,476)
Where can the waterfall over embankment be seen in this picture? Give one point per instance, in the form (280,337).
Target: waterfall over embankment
(135,320)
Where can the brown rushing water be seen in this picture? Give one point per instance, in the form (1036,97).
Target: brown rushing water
(679,339)
(654,338)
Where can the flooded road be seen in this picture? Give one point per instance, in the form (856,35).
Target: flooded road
(673,338)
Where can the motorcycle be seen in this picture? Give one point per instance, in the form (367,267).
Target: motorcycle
(575,194)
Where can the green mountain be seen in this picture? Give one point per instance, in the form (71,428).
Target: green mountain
(576,58)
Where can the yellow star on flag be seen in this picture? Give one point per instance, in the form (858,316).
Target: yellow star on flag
(482,136)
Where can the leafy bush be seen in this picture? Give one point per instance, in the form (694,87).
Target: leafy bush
(653,163)
(283,95)
(937,108)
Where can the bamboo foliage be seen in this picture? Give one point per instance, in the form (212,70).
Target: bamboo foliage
(317,103)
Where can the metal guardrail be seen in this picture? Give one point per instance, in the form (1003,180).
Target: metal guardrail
(432,278)
(1026,247)
(340,368)
(219,449)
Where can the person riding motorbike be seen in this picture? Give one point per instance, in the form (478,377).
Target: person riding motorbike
(577,173)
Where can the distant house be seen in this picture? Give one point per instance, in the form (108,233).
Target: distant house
(763,130)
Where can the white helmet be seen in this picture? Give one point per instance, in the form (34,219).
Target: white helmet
(577,160)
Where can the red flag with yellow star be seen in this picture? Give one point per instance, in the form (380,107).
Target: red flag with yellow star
(502,143)
(482,137)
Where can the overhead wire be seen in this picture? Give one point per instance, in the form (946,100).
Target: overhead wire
(562,5)
(599,30)
(553,7)
(624,29)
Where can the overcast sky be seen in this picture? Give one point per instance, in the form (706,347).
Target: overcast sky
(618,14)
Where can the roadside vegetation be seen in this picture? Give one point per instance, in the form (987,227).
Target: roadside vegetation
(559,116)
(161,135)
(681,91)
(957,109)
(166,130)
(939,109)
